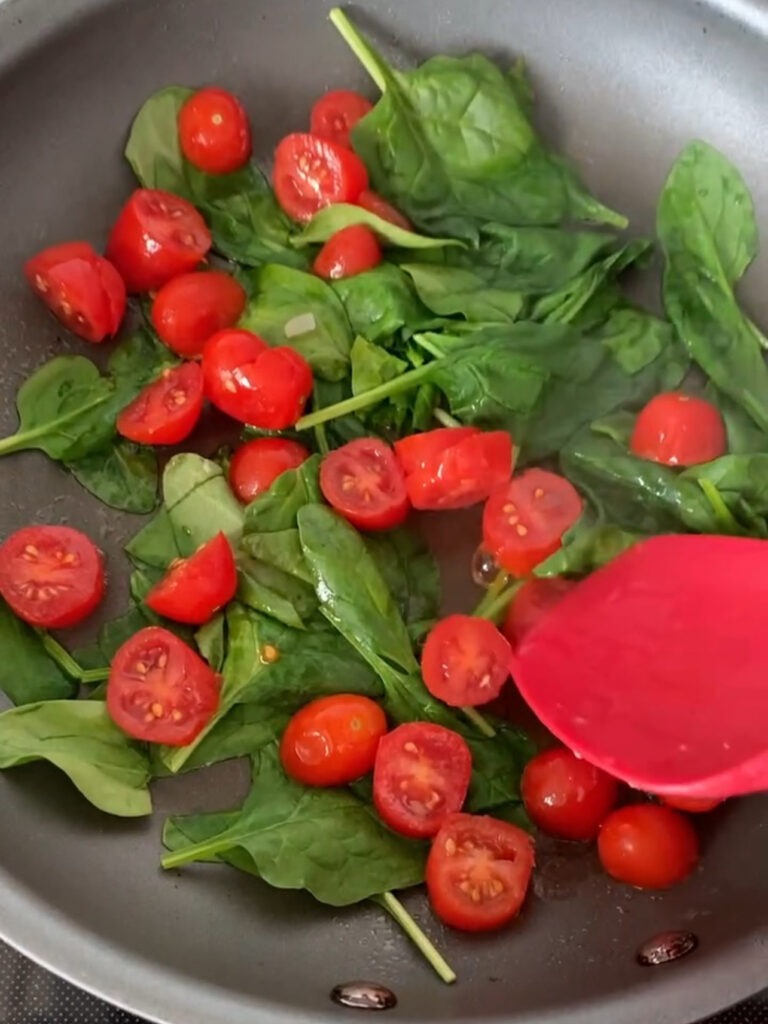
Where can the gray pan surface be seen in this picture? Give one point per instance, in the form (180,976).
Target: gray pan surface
(622,84)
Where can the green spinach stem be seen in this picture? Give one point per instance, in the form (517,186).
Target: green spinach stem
(89,676)
(725,518)
(497,598)
(446,419)
(361,49)
(431,954)
(404,382)
(480,723)
(61,656)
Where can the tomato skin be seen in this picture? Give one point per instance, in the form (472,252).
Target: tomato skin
(648,846)
(253,383)
(156,236)
(364,483)
(374,203)
(52,577)
(195,588)
(421,776)
(190,308)
(465,661)
(81,288)
(214,132)
(336,113)
(311,173)
(692,804)
(566,796)
(159,690)
(491,859)
(257,464)
(533,602)
(167,410)
(333,740)
(351,251)
(679,430)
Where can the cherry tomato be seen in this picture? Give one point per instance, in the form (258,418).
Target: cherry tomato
(336,114)
(167,410)
(465,661)
(454,467)
(679,430)
(374,203)
(311,173)
(51,576)
(81,288)
(647,845)
(190,308)
(363,482)
(253,383)
(194,588)
(566,796)
(535,599)
(333,740)
(159,690)
(157,236)
(351,251)
(524,522)
(692,804)
(421,776)
(478,872)
(257,464)
(214,133)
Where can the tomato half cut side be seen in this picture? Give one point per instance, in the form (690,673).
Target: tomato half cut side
(195,588)
(351,251)
(51,576)
(465,661)
(421,776)
(167,410)
(374,203)
(532,603)
(679,430)
(648,845)
(565,796)
(159,690)
(336,113)
(257,464)
(311,173)
(214,132)
(190,308)
(364,483)
(478,872)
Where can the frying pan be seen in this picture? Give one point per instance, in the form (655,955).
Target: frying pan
(621,85)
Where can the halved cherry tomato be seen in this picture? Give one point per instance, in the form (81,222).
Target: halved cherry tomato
(454,467)
(421,776)
(351,251)
(156,237)
(679,430)
(336,114)
(478,872)
(159,690)
(692,804)
(333,740)
(465,661)
(311,173)
(364,483)
(194,588)
(524,522)
(51,576)
(533,602)
(167,410)
(374,203)
(214,133)
(566,796)
(80,287)
(253,383)
(257,464)
(190,308)
(648,845)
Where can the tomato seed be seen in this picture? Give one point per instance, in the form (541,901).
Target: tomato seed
(521,530)
(411,747)
(157,710)
(539,492)
(450,847)
(162,659)
(31,552)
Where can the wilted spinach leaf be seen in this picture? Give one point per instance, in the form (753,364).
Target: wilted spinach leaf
(28,674)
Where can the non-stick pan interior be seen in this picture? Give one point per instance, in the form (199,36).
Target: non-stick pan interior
(621,85)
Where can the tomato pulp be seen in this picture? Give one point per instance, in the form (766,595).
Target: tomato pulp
(364,483)
(195,588)
(465,661)
(167,410)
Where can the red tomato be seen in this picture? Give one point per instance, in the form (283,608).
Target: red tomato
(195,588)
(51,576)
(535,599)
(524,522)
(311,173)
(333,740)
(336,114)
(692,804)
(190,308)
(214,133)
(421,776)
(364,483)
(465,661)
(647,845)
(157,236)
(454,467)
(257,464)
(159,690)
(374,203)
(253,383)
(167,410)
(566,796)
(478,872)
(351,251)
(81,288)
(679,430)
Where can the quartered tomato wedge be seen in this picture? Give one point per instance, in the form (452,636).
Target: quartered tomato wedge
(478,872)
(351,251)
(51,576)
(533,602)
(167,410)
(159,690)
(311,172)
(679,430)
(214,132)
(257,464)
(565,796)
(465,661)
(364,483)
(374,203)
(336,114)
(190,308)
(196,587)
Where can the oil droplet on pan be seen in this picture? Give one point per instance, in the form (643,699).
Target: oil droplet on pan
(364,995)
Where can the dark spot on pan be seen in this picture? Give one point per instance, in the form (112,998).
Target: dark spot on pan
(666,947)
(364,995)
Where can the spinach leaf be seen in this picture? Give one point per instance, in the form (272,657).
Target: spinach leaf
(449,291)
(744,436)
(113,634)
(343,215)
(381,302)
(409,569)
(243,731)
(123,476)
(136,361)
(28,674)
(586,546)
(281,549)
(277,508)
(156,545)
(372,365)
(199,503)
(211,641)
(270,590)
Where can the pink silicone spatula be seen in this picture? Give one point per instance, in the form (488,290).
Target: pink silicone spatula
(655,668)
